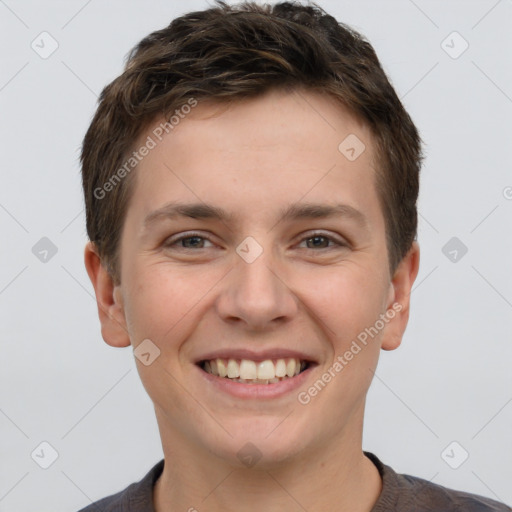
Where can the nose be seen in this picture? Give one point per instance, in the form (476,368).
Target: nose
(256,295)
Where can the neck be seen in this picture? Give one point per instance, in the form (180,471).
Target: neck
(334,477)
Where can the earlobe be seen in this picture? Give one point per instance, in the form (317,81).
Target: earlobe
(108,299)
(400,295)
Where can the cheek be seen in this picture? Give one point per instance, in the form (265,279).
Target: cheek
(346,299)
(163,302)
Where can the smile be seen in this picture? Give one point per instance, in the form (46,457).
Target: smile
(246,371)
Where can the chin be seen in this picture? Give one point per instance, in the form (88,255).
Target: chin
(262,442)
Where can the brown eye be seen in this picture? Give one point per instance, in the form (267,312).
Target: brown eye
(193,242)
(187,241)
(322,241)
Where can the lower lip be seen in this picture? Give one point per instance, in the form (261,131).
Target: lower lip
(258,391)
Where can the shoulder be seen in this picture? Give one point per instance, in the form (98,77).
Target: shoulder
(115,502)
(402,492)
(137,497)
(423,494)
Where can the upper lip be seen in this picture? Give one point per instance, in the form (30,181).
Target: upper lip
(252,355)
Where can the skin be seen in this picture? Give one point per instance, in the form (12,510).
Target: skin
(253,159)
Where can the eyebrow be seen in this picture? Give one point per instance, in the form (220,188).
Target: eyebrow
(299,211)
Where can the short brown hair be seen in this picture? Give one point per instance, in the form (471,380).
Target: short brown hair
(228,53)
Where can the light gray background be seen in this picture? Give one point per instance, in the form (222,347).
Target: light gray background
(449,381)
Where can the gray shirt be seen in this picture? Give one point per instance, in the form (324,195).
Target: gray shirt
(400,493)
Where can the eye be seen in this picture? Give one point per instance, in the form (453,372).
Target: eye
(321,241)
(197,241)
(188,241)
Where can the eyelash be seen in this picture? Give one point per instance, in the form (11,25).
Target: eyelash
(171,242)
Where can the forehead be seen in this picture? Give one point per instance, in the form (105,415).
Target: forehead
(247,157)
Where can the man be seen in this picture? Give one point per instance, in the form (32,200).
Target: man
(250,184)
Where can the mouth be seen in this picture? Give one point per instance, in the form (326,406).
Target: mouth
(247,371)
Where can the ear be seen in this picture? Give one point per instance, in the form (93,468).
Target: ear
(108,298)
(399,298)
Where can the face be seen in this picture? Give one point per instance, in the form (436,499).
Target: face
(282,258)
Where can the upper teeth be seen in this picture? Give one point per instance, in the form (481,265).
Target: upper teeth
(247,369)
